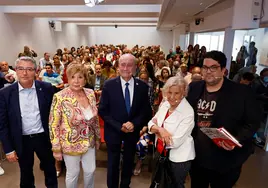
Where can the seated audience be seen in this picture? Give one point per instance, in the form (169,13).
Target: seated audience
(52,77)
(4,68)
(43,61)
(107,69)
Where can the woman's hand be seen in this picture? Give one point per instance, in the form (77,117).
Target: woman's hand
(166,136)
(57,156)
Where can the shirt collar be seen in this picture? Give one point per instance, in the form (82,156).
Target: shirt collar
(131,81)
(22,88)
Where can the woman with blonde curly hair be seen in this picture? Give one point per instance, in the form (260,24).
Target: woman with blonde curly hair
(74,127)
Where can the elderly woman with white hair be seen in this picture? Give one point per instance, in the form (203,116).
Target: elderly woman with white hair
(173,125)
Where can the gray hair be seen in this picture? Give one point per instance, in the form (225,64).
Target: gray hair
(127,56)
(177,80)
(26,58)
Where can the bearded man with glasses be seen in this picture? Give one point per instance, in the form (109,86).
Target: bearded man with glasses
(219,102)
(24,114)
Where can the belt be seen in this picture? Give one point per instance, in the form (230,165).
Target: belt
(34,135)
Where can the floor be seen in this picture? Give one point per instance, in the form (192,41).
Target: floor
(254,175)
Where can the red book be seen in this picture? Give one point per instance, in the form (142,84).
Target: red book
(220,134)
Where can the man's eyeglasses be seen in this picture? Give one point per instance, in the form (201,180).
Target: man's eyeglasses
(28,69)
(212,68)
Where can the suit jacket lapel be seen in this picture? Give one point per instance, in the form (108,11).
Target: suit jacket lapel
(15,103)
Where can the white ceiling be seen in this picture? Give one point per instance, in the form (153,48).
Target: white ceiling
(75,2)
(183,11)
(164,13)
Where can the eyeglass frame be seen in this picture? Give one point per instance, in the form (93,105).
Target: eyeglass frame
(27,69)
(212,68)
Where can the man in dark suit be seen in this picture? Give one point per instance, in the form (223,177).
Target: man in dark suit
(97,80)
(125,109)
(24,113)
(219,102)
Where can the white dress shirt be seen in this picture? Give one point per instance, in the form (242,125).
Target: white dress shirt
(30,112)
(130,88)
(180,124)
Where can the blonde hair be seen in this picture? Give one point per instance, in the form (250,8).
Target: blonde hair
(74,68)
(176,81)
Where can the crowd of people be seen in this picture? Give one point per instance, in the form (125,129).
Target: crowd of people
(53,106)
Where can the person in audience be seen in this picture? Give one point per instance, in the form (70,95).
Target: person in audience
(142,145)
(6,79)
(251,69)
(53,78)
(58,66)
(43,61)
(188,56)
(123,115)
(185,74)
(74,127)
(159,67)
(260,87)
(220,165)
(176,66)
(107,69)
(109,56)
(101,59)
(170,54)
(28,52)
(165,74)
(4,67)
(201,56)
(59,53)
(253,51)
(64,59)
(241,57)
(24,113)
(196,74)
(97,80)
(179,52)
(173,125)
(247,78)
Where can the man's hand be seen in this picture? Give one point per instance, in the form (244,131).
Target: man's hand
(12,157)
(128,126)
(57,156)
(226,146)
(10,78)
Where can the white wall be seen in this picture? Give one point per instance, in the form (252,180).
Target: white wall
(220,20)
(18,31)
(71,36)
(132,36)
(261,40)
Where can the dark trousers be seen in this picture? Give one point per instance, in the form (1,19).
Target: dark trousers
(41,146)
(114,151)
(179,171)
(202,177)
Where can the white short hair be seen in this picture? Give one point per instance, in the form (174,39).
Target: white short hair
(176,81)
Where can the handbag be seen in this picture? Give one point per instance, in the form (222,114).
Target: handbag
(161,175)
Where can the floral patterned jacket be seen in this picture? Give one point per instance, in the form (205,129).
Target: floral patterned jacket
(70,132)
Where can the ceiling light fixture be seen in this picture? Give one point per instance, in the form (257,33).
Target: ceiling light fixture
(92,3)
